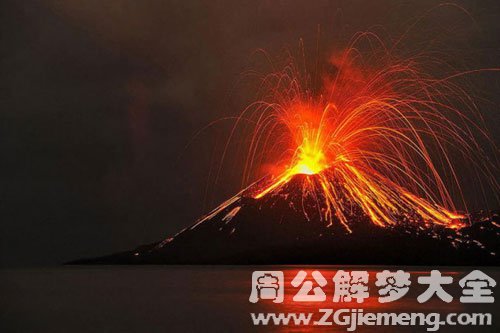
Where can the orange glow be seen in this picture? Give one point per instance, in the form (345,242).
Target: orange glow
(310,160)
(378,136)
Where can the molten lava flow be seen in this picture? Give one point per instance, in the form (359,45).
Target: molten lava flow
(380,199)
(380,136)
(310,160)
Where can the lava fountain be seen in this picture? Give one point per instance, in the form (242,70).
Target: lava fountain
(381,134)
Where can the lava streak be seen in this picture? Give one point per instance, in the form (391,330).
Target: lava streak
(323,153)
(381,133)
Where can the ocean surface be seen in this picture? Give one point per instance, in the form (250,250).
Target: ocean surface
(198,299)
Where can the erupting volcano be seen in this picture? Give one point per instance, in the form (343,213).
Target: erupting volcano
(378,135)
(361,165)
(359,184)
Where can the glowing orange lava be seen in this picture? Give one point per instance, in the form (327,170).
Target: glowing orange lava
(381,200)
(381,134)
(310,160)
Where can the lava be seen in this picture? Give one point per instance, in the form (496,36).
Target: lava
(329,155)
(381,134)
(309,160)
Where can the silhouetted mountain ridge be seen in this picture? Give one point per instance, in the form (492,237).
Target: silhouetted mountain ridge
(286,228)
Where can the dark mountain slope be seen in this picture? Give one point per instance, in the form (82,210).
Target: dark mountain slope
(275,230)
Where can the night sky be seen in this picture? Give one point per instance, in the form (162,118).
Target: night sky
(100,99)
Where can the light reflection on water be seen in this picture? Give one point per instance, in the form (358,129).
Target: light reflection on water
(408,303)
(191,299)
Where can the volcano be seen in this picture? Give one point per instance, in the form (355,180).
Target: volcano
(284,227)
(363,164)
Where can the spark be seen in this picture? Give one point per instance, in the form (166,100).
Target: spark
(380,134)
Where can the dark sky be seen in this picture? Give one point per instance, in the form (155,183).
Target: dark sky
(100,98)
